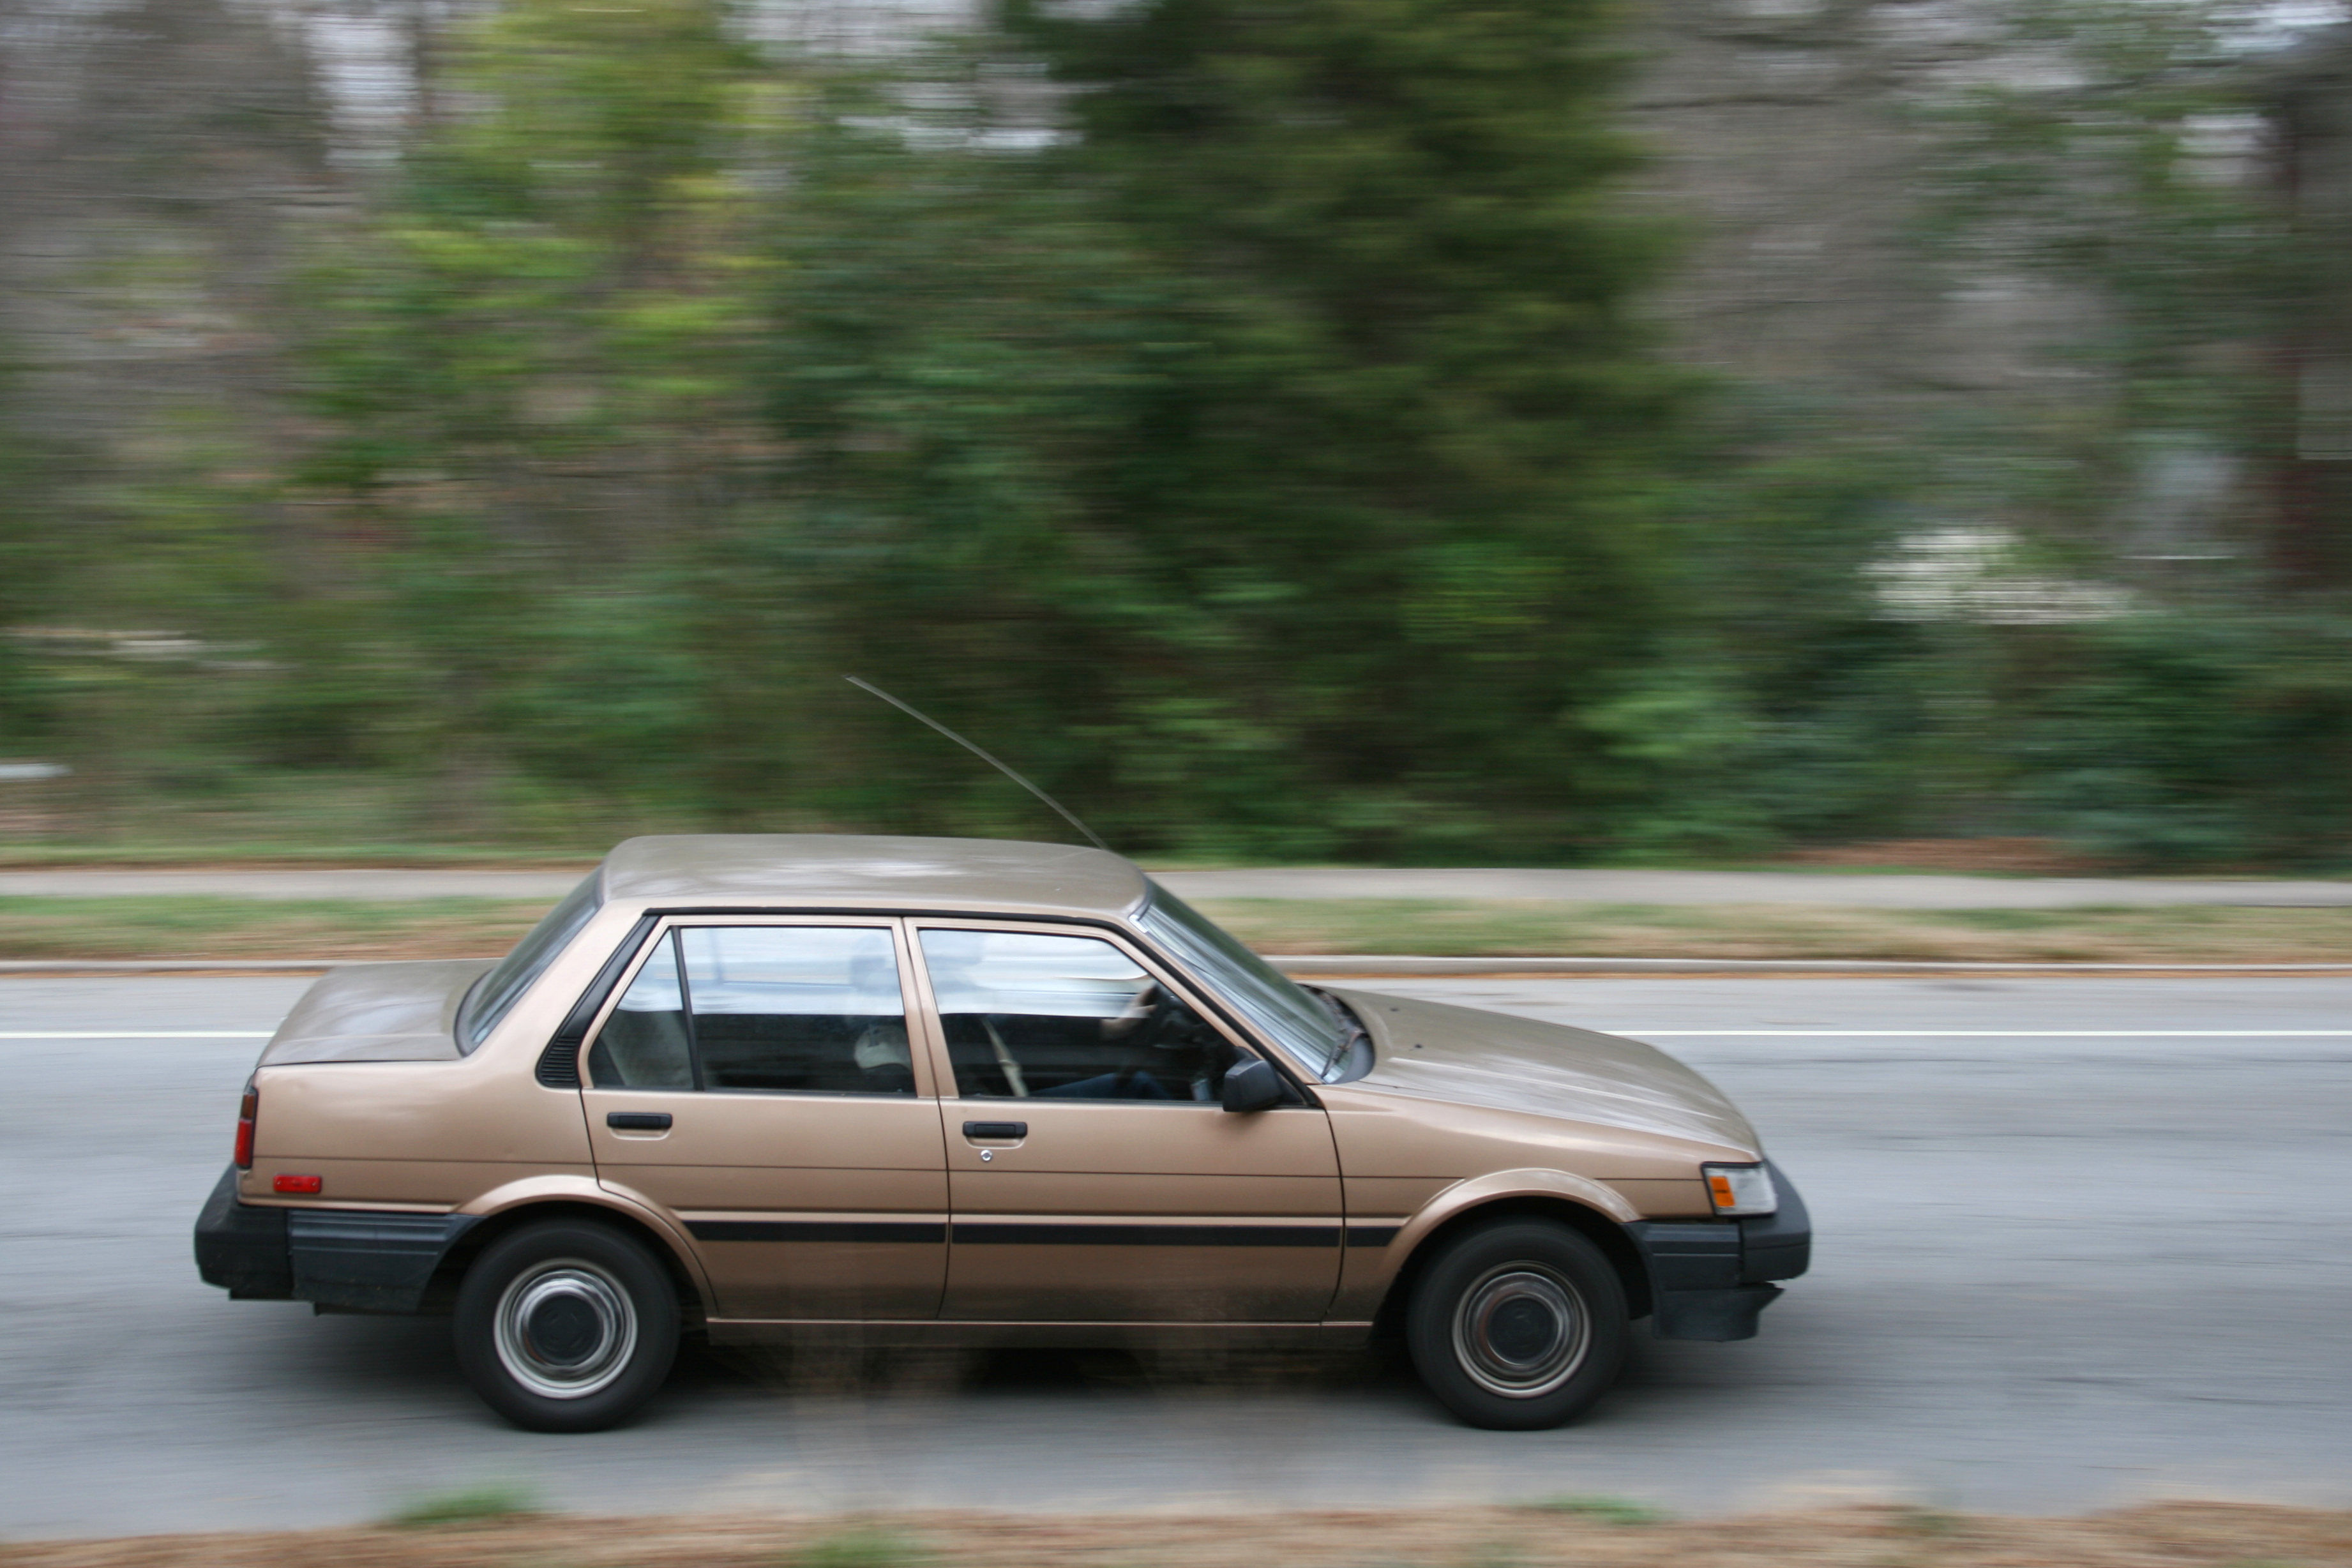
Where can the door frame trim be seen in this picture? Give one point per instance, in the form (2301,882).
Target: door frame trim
(1185,988)
(915,1011)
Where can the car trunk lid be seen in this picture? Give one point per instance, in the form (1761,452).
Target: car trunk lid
(377,1013)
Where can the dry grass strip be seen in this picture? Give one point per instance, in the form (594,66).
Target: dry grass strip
(2162,1535)
(346,930)
(2185,933)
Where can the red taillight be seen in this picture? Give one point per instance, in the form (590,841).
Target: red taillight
(247,1109)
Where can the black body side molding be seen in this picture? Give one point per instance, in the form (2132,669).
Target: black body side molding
(357,1260)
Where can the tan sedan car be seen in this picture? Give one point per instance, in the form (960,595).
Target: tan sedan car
(926,1091)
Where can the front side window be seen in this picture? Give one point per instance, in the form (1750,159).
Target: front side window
(761,1009)
(1066,1017)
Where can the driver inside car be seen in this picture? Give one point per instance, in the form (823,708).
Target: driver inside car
(1159,1032)
(1030,1015)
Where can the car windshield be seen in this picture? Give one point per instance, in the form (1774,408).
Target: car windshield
(498,990)
(1303,1027)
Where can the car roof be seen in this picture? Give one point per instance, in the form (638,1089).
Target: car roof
(827,870)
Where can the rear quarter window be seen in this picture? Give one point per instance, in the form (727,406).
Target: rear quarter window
(495,995)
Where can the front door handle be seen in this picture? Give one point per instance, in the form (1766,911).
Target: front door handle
(637,1120)
(996,1129)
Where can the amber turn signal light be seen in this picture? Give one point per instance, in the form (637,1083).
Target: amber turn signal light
(1740,1189)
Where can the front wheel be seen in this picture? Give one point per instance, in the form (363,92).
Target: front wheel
(566,1326)
(1519,1324)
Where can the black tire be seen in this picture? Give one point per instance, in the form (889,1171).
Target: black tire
(566,1326)
(1518,1325)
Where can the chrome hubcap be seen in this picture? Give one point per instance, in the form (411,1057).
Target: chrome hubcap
(566,1329)
(1521,1330)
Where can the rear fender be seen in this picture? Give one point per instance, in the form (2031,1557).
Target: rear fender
(572,1191)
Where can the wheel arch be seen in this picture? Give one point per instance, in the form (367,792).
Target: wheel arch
(1603,1231)
(693,1292)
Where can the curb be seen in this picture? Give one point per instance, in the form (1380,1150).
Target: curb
(1341,967)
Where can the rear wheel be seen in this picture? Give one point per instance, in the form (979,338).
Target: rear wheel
(566,1326)
(1519,1324)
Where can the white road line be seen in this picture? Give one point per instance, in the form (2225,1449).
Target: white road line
(1634,1030)
(136,1034)
(1977,1034)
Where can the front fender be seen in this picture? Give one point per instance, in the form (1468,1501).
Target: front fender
(1371,1264)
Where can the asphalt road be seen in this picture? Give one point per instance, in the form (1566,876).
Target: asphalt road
(1599,887)
(2080,1241)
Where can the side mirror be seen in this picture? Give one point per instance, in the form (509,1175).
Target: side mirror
(1251,1085)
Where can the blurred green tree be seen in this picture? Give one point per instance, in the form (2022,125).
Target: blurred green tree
(1413,454)
(528,364)
(30,551)
(1241,416)
(1256,414)
(2116,151)
(1282,477)
(2126,156)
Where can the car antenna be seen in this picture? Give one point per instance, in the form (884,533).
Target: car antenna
(912,712)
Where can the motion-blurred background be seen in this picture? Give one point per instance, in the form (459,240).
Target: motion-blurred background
(1447,431)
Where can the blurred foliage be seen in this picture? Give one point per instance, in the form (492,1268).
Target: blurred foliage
(1279,490)
(2190,737)
(29,569)
(2122,161)
(1263,490)
(1605,1509)
(1239,417)
(2117,158)
(860,1548)
(466,1505)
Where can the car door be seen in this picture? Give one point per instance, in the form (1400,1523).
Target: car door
(756,1079)
(1093,1174)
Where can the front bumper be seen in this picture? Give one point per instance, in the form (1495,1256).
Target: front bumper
(1710,1279)
(359,1260)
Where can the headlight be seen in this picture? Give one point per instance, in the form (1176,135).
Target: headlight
(1740,1189)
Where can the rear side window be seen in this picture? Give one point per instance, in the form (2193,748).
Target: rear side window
(496,993)
(760,1010)
(645,1043)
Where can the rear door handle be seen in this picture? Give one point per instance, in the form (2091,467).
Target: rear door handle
(996,1129)
(638,1121)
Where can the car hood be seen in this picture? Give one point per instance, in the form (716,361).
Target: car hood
(1434,1051)
(377,1013)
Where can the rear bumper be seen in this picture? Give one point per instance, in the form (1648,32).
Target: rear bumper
(359,1260)
(242,1249)
(1710,1279)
